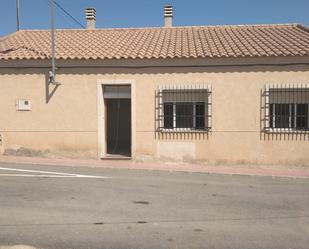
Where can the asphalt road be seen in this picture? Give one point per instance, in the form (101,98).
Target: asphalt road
(150,209)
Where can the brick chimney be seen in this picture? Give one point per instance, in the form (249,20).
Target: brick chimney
(168,16)
(90,18)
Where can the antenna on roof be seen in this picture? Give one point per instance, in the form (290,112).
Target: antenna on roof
(17,15)
(52,73)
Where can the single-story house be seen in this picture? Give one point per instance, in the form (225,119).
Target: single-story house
(214,94)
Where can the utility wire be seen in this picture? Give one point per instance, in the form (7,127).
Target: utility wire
(67,13)
(60,14)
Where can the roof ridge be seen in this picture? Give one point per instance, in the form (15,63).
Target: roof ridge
(303,27)
(23,47)
(161,27)
(3,38)
(33,50)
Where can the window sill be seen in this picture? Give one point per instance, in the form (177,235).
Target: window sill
(183,130)
(285,130)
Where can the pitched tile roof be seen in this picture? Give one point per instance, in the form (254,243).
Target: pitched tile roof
(175,42)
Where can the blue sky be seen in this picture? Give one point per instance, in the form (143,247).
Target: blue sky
(141,13)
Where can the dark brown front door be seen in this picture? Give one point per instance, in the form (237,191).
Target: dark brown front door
(118,126)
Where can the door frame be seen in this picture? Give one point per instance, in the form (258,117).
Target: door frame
(102,141)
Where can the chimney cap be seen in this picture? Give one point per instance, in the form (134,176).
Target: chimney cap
(90,13)
(168,10)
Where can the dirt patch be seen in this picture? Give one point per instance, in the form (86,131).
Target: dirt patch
(141,202)
(72,154)
(142,222)
(46,153)
(26,152)
(98,223)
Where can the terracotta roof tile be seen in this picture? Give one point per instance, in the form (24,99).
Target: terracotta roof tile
(175,42)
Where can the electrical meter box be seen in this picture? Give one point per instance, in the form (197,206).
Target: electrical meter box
(23,105)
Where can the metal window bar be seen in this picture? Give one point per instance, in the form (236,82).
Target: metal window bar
(285,108)
(183,108)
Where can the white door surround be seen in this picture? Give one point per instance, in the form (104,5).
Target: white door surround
(102,119)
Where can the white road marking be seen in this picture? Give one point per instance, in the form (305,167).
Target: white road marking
(50,174)
(36,171)
(56,176)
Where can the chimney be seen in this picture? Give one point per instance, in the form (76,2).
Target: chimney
(168,16)
(90,17)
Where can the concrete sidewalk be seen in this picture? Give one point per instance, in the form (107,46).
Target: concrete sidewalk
(254,170)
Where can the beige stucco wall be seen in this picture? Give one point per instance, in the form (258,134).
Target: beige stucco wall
(67,123)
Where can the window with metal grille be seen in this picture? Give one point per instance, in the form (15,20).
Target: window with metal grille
(184,109)
(286,108)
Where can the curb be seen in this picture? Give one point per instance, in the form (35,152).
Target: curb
(175,167)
